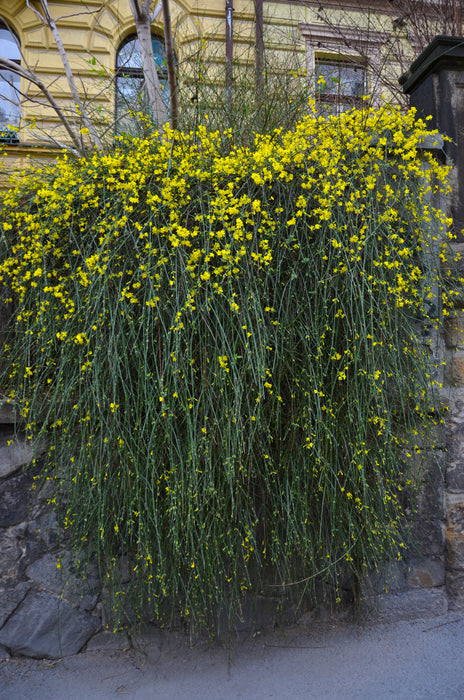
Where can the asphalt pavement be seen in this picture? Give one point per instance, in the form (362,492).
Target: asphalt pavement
(422,660)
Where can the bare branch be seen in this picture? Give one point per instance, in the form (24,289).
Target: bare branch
(51,24)
(33,78)
(229,54)
(259,48)
(156,12)
(36,12)
(170,61)
(81,12)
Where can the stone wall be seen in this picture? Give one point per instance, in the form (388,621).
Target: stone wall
(434,84)
(415,587)
(454,337)
(45,609)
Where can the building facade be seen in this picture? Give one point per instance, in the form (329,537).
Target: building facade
(340,53)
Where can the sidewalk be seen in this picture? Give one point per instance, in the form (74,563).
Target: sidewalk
(421,660)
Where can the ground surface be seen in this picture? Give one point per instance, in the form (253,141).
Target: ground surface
(412,660)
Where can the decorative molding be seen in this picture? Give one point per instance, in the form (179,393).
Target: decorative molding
(350,39)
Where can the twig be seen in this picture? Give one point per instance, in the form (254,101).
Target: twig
(442,624)
(286,646)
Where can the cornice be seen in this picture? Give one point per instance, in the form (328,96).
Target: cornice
(382,6)
(356,36)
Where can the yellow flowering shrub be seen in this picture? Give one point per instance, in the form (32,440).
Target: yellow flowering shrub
(223,345)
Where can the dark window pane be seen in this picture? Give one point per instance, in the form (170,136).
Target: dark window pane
(9,99)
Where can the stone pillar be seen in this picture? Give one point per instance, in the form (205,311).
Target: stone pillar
(435,84)
(415,587)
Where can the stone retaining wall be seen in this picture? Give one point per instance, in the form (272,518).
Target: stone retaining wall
(454,338)
(45,610)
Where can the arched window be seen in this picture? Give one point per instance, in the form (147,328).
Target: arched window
(10,110)
(130,91)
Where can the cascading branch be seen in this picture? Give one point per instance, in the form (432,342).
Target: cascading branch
(221,345)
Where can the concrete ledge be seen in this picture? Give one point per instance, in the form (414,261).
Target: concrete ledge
(410,605)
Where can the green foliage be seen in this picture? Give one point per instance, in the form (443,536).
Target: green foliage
(222,345)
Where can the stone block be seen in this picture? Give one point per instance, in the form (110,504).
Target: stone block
(123,570)
(432,439)
(455,585)
(10,553)
(15,498)
(42,535)
(44,626)
(10,598)
(430,496)
(455,417)
(428,538)
(455,550)
(9,413)
(426,573)
(80,587)
(108,641)
(16,453)
(456,263)
(391,577)
(455,369)
(457,266)
(455,536)
(455,458)
(456,516)
(454,331)
(409,605)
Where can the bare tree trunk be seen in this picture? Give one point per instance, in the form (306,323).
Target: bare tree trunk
(259,48)
(47,19)
(458,17)
(171,64)
(229,55)
(141,12)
